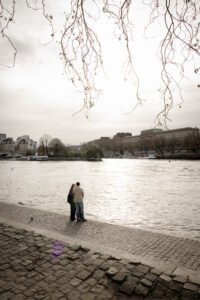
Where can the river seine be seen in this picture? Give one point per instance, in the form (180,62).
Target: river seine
(157,195)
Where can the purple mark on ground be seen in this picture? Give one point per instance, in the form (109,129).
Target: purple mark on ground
(57,250)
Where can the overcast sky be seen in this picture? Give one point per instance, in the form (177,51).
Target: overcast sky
(36,98)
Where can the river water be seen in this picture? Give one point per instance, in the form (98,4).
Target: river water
(157,195)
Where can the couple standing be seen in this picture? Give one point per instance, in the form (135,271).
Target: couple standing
(75,199)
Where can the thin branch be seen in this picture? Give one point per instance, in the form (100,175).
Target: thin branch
(81,52)
(81,48)
(181,32)
(6,17)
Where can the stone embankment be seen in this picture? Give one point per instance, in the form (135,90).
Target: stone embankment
(42,258)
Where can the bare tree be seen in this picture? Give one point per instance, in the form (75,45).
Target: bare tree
(81,46)
(44,143)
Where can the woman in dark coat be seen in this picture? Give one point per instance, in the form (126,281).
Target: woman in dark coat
(70,200)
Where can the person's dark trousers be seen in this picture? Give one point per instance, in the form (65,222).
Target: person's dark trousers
(72,211)
(80,211)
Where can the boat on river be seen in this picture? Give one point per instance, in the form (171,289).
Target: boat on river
(38,158)
(146,156)
(151,156)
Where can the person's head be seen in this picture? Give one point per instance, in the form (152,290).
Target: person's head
(78,183)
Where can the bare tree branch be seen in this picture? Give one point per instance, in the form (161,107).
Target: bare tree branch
(81,48)
(81,52)
(181,24)
(7,14)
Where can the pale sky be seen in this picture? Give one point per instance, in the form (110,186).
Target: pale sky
(36,98)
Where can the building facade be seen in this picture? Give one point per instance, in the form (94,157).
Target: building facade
(23,145)
(157,140)
(7,145)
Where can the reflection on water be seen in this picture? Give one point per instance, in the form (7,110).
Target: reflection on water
(149,194)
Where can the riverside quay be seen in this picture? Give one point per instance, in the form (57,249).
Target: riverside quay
(45,256)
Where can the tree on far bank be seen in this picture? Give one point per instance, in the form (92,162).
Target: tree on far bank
(94,152)
(56,148)
(72,152)
(44,141)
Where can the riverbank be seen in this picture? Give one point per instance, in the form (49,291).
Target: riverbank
(181,156)
(43,255)
(46,158)
(171,156)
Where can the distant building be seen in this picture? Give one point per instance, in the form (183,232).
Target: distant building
(151,140)
(122,135)
(169,139)
(2,136)
(22,145)
(180,133)
(131,143)
(150,132)
(7,145)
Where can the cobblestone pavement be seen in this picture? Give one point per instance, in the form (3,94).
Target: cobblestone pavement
(33,266)
(146,246)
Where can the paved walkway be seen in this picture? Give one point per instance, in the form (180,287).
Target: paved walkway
(145,246)
(123,263)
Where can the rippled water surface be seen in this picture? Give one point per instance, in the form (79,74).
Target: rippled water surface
(150,194)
